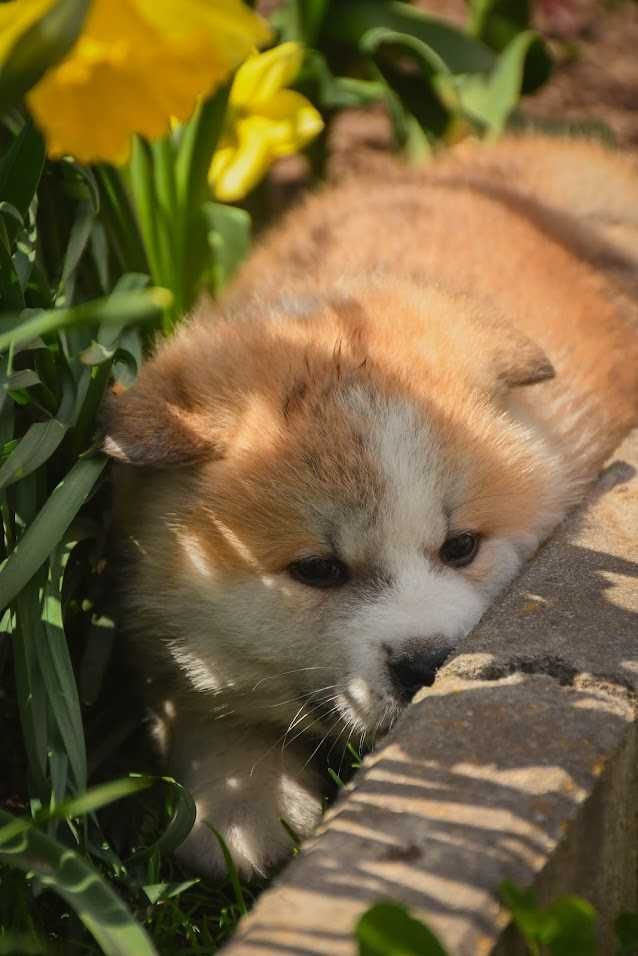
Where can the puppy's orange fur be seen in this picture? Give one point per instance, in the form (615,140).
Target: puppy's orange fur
(452,349)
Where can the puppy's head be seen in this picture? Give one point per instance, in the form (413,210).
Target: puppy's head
(320,500)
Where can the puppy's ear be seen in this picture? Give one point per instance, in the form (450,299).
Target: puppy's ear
(520,361)
(160,422)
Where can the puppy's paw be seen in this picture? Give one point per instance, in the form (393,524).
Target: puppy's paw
(246,803)
(257,844)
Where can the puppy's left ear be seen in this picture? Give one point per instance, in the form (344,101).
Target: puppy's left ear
(169,418)
(520,361)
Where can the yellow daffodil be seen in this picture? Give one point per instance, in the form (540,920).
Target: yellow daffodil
(136,64)
(265,121)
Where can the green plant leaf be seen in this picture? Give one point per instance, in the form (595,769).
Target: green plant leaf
(460,52)
(229,237)
(21,168)
(490,100)
(125,308)
(77,243)
(43,45)
(30,688)
(57,670)
(80,885)
(197,143)
(40,440)
(167,891)
(231,870)
(567,927)
(48,527)
(496,22)
(331,92)
(416,109)
(571,928)
(300,20)
(179,827)
(387,929)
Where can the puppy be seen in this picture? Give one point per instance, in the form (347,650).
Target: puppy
(327,479)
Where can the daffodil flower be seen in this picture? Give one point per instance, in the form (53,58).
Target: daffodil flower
(265,121)
(136,64)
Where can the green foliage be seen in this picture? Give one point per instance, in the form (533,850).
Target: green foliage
(567,927)
(433,77)
(387,929)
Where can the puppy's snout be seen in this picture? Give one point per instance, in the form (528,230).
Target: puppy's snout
(412,670)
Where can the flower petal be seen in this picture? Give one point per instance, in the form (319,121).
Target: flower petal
(263,75)
(236,170)
(137,64)
(292,122)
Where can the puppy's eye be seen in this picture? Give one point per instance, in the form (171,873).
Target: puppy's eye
(460,549)
(319,572)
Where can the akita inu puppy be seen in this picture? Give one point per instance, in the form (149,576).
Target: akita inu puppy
(330,476)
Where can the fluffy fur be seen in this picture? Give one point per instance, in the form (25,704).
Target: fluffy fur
(449,349)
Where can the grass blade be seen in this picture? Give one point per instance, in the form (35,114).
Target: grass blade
(48,527)
(180,825)
(231,869)
(39,442)
(57,670)
(124,308)
(103,913)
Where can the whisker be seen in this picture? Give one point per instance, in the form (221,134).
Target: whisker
(295,670)
(292,700)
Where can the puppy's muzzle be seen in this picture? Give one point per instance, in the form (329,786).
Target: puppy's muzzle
(413,669)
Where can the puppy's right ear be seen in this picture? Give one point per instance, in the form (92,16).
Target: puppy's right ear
(161,421)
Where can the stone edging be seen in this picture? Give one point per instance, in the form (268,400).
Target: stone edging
(519,763)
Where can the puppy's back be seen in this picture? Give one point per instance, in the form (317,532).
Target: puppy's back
(543,229)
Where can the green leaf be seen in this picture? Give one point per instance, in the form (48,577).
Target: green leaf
(571,928)
(48,527)
(461,53)
(77,243)
(39,442)
(331,92)
(11,294)
(427,57)
(416,109)
(198,141)
(496,22)
(123,308)
(57,670)
(231,869)
(21,168)
(80,885)
(41,46)
(179,827)
(300,20)
(229,237)
(30,689)
(567,927)
(387,929)
(166,891)
(490,100)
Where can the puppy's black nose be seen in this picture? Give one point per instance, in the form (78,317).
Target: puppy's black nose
(412,670)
